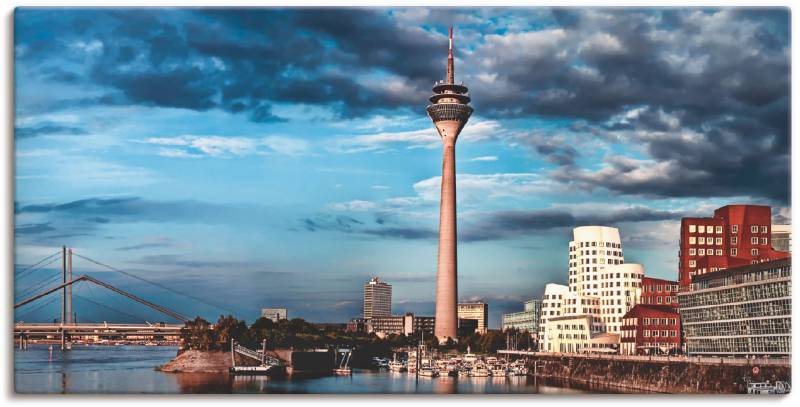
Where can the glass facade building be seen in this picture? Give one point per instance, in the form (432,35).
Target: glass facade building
(742,311)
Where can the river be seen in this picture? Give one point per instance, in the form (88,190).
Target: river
(131,369)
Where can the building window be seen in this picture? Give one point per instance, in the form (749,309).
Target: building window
(719,229)
(658,299)
(692,228)
(692,252)
(753,240)
(691,240)
(702,252)
(754,252)
(719,252)
(718,241)
(734,228)
(692,263)
(753,229)
(672,321)
(734,240)
(763,240)
(646,333)
(673,334)
(701,240)
(701,229)
(763,229)
(733,252)
(655,334)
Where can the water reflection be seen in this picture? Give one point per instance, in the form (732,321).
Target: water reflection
(131,370)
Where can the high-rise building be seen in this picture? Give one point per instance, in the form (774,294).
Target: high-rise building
(736,235)
(449,110)
(275,314)
(741,311)
(525,320)
(782,238)
(591,250)
(602,289)
(478,311)
(377,299)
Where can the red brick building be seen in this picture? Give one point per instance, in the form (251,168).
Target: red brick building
(657,291)
(649,329)
(736,235)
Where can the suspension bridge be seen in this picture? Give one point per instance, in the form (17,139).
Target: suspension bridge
(65,329)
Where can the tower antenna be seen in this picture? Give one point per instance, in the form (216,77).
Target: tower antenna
(451,70)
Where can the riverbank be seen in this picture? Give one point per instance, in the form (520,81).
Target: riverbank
(656,376)
(195,361)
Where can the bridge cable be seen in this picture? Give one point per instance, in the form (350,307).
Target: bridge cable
(136,317)
(29,271)
(42,305)
(31,289)
(40,261)
(202,301)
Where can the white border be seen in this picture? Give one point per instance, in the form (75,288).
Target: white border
(7,225)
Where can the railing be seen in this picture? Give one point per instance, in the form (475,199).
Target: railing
(261,357)
(683,359)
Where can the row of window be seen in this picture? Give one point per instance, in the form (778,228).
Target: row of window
(655,333)
(718,229)
(659,299)
(595,244)
(660,287)
(702,229)
(703,240)
(655,321)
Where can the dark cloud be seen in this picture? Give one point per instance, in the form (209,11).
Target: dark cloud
(511,224)
(183,261)
(35,228)
(34,131)
(720,75)
(347,224)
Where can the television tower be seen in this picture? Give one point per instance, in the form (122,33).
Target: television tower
(449,111)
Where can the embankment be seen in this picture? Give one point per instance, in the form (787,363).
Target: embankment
(662,376)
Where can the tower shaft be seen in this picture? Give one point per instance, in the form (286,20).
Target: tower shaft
(449,111)
(446,274)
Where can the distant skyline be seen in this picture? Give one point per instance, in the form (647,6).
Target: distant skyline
(282,157)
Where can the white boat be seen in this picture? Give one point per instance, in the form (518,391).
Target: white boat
(779,387)
(479,371)
(396,366)
(498,371)
(428,371)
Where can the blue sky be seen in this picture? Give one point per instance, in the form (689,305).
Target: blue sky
(282,157)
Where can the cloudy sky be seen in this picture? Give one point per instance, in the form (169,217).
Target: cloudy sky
(268,157)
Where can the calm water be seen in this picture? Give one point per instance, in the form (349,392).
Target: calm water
(130,369)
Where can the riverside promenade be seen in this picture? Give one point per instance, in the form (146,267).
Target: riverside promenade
(662,374)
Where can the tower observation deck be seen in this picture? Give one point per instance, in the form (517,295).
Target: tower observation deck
(449,110)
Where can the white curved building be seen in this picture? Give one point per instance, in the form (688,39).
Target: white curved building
(620,288)
(592,249)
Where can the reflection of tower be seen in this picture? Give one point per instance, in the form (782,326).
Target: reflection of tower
(449,111)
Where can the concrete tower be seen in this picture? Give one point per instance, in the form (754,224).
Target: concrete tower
(449,111)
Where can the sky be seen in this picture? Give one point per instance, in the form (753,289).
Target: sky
(257,158)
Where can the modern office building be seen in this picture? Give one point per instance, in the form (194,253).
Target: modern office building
(275,314)
(591,250)
(400,324)
(377,299)
(552,301)
(651,329)
(602,288)
(657,291)
(737,235)
(525,320)
(449,110)
(620,289)
(782,238)
(478,311)
(741,311)
(576,334)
